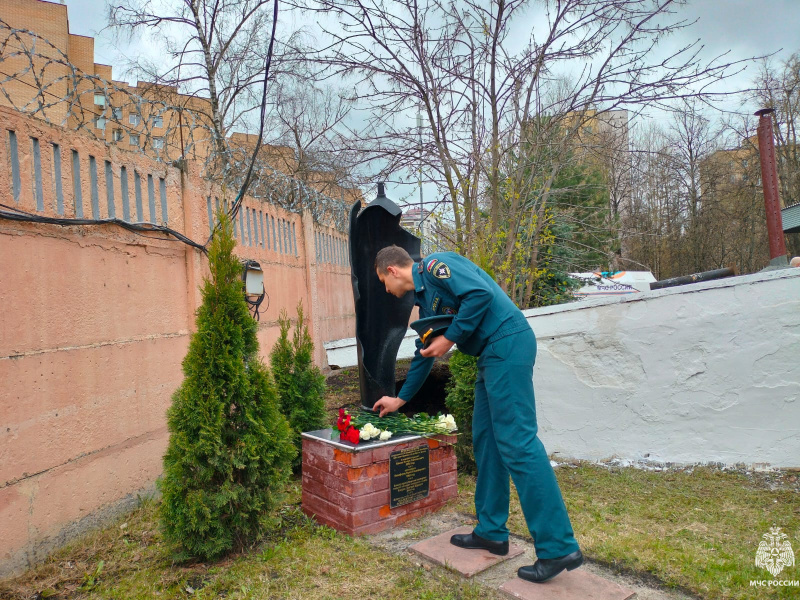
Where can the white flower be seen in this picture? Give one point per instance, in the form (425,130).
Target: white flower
(447,423)
(385,435)
(368,432)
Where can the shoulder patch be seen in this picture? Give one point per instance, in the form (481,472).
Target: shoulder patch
(431,262)
(441,271)
(419,267)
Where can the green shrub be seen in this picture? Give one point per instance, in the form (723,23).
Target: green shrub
(230,452)
(459,401)
(301,385)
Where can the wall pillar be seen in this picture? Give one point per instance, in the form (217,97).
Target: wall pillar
(313,310)
(195,228)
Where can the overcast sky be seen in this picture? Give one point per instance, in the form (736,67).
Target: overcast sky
(744,27)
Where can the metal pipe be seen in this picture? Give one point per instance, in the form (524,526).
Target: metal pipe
(704,276)
(769,183)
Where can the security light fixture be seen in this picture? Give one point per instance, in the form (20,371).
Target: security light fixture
(254,292)
(253,278)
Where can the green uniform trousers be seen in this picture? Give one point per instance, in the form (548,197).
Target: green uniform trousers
(505,442)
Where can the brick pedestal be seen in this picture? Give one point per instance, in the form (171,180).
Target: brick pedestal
(347,487)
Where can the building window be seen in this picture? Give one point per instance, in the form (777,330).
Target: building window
(100,123)
(100,99)
(134,119)
(158,121)
(133,139)
(158,143)
(116,135)
(116,113)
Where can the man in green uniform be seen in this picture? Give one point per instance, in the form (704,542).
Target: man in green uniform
(487,324)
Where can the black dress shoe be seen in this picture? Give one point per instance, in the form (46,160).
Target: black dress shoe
(547,568)
(472,541)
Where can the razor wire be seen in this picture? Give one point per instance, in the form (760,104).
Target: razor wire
(38,79)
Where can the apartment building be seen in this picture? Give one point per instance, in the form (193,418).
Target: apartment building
(50,73)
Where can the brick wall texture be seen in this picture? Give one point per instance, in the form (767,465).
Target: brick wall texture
(97,319)
(349,491)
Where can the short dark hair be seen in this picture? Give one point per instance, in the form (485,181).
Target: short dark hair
(392,256)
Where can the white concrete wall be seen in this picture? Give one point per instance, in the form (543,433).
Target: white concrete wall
(708,372)
(342,353)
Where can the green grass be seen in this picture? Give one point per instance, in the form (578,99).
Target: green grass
(694,529)
(298,559)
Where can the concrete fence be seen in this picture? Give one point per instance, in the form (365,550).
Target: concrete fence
(701,373)
(96,320)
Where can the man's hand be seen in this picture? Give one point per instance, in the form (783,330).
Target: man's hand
(388,404)
(438,347)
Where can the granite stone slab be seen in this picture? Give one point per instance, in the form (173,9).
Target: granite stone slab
(567,585)
(467,562)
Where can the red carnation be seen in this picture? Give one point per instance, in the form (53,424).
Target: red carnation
(351,435)
(344,420)
(347,432)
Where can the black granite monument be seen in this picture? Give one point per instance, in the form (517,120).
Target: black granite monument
(381,319)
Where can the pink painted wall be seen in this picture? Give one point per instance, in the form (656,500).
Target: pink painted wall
(96,321)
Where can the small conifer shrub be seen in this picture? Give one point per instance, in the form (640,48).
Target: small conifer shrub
(301,385)
(230,450)
(460,401)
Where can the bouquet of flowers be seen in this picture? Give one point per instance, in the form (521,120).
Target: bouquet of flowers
(359,425)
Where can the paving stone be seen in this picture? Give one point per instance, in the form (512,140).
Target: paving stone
(567,585)
(467,562)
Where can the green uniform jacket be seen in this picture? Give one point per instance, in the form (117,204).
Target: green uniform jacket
(447,283)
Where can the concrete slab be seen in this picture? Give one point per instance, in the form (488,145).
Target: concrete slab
(467,562)
(568,585)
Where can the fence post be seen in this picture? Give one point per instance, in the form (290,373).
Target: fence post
(313,309)
(194,263)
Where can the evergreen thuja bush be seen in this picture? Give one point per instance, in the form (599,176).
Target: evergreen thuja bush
(230,450)
(460,401)
(301,385)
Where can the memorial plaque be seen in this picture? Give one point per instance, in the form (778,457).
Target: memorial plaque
(409,475)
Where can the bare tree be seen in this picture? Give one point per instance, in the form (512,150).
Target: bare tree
(481,77)
(213,49)
(692,139)
(697,202)
(310,119)
(652,226)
